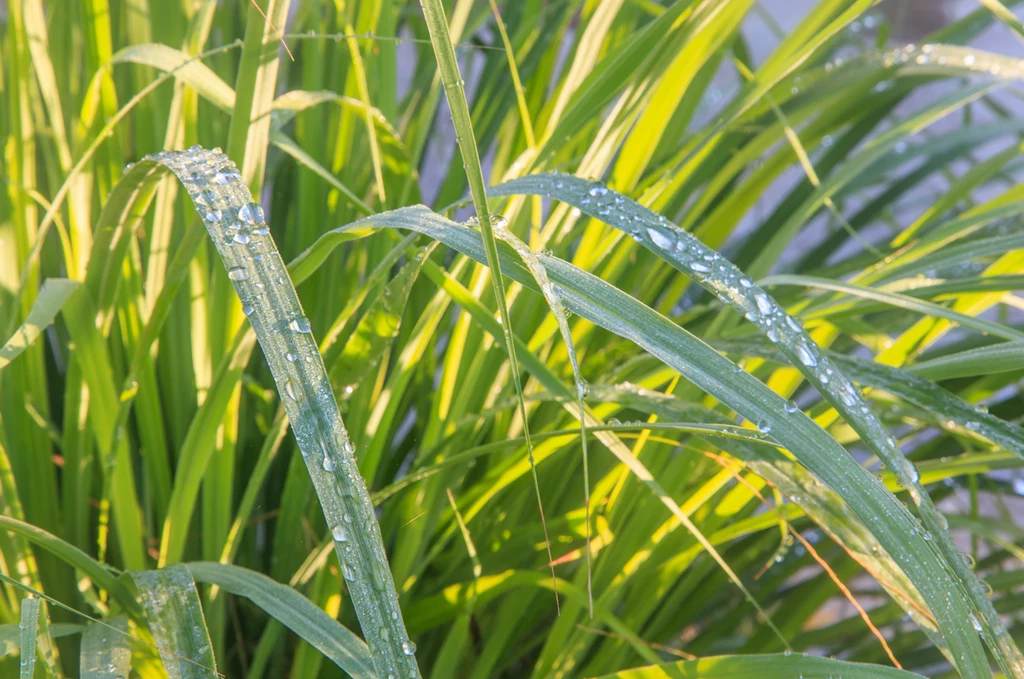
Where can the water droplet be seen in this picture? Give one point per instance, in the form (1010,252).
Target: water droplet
(226,174)
(803,352)
(975,623)
(791,407)
(348,572)
(339,532)
(291,357)
(262,231)
(251,214)
(787,652)
(213,216)
(248,309)
(292,391)
(328,463)
(408,647)
(238,273)
(764,426)
(349,446)
(764,303)
(241,238)
(582,388)
(598,191)
(300,324)
(660,239)
(699,267)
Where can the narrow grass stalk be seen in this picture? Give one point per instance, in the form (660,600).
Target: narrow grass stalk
(437,24)
(553,296)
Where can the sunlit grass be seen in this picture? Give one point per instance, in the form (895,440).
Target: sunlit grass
(694,364)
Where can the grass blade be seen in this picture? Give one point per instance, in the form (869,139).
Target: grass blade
(444,52)
(1002,357)
(237,227)
(295,612)
(176,620)
(907,385)
(29,627)
(763,667)
(51,298)
(106,653)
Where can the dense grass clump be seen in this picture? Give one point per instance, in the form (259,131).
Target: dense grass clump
(508,339)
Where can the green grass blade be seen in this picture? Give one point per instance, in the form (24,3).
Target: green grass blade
(907,385)
(368,119)
(184,68)
(1003,357)
(106,653)
(295,612)
(51,298)
(524,109)
(900,301)
(176,620)
(237,227)
(763,667)
(254,90)
(97,572)
(29,627)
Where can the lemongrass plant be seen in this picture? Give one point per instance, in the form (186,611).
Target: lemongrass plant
(589,343)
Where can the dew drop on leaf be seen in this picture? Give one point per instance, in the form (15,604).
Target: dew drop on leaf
(300,324)
(251,214)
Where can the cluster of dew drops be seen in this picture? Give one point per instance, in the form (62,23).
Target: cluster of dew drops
(716,273)
(953,56)
(214,182)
